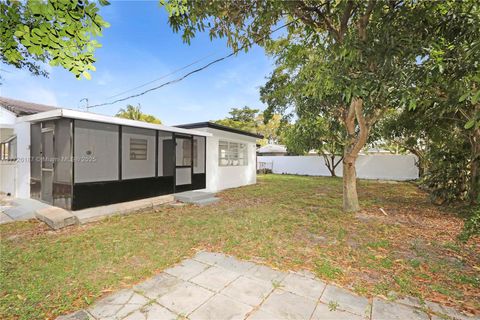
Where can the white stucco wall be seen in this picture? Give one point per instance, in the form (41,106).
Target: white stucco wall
(384,166)
(7,118)
(16,176)
(220,177)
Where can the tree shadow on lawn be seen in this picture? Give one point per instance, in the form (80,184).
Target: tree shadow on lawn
(288,222)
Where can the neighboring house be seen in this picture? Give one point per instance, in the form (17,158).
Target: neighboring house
(375,151)
(75,160)
(272,150)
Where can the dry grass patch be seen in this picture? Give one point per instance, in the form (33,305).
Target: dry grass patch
(288,222)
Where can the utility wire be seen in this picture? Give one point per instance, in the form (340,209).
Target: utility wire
(162,77)
(191,72)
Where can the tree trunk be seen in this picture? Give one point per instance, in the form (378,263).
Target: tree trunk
(421,163)
(356,140)
(474,193)
(330,163)
(350,197)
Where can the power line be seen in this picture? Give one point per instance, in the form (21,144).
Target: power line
(191,72)
(162,77)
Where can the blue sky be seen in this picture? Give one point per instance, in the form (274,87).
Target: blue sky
(138,47)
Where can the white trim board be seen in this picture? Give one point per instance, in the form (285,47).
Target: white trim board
(73,114)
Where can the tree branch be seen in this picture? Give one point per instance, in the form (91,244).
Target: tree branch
(364,19)
(364,128)
(350,119)
(347,13)
(326,20)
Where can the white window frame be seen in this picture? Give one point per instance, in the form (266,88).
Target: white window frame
(232,154)
(8,149)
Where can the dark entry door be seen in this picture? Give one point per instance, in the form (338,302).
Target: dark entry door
(47,161)
(183,162)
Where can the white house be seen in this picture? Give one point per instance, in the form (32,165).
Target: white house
(272,150)
(75,160)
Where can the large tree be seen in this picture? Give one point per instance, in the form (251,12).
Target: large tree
(444,129)
(241,118)
(357,56)
(252,120)
(61,33)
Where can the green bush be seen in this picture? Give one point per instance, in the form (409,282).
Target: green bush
(447,177)
(472,225)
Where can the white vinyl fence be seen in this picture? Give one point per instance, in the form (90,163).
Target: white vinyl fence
(382,166)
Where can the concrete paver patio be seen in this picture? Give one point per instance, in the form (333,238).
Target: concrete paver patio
(216,286)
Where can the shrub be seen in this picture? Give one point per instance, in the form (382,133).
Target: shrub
(471,227)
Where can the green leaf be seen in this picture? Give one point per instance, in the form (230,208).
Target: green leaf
(38,32)
(464,97)
(26,42)
(87,75)
(19,33)
(476,97)
(470,123)
(412,105)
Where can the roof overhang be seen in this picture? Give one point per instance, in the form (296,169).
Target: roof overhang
(22,108)
(217,126)
(88,116)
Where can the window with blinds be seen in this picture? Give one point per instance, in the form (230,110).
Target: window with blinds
(232,153)
(138,149)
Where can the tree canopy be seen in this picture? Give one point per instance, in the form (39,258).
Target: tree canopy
(319,134)
(241,118)
(354,60)
(253,121)
(61,33)
(135,113)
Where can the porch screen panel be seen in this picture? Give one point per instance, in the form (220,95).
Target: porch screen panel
(35,136)
(96,151)
(63,165)
(62,179)
(198,154)
(138,153)
(166,153)
(183,152)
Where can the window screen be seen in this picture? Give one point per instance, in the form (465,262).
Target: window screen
(138,149)
(223,153)
(232,154)
(183,152)
(198,154)
(8,149)
(166,154)
(138,153)
(35,134)
(63,165)
(96,151)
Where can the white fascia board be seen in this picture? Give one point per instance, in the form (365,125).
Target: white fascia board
(73,114)
(231,136)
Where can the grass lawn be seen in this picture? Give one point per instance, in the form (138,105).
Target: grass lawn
(288,222)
